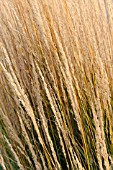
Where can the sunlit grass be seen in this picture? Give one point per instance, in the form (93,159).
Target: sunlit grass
(56,85)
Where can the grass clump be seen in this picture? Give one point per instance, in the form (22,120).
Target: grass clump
(56,85)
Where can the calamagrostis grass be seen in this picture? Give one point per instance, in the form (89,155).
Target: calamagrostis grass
(56,84)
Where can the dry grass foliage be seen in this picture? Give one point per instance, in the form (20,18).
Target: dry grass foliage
(56,84)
